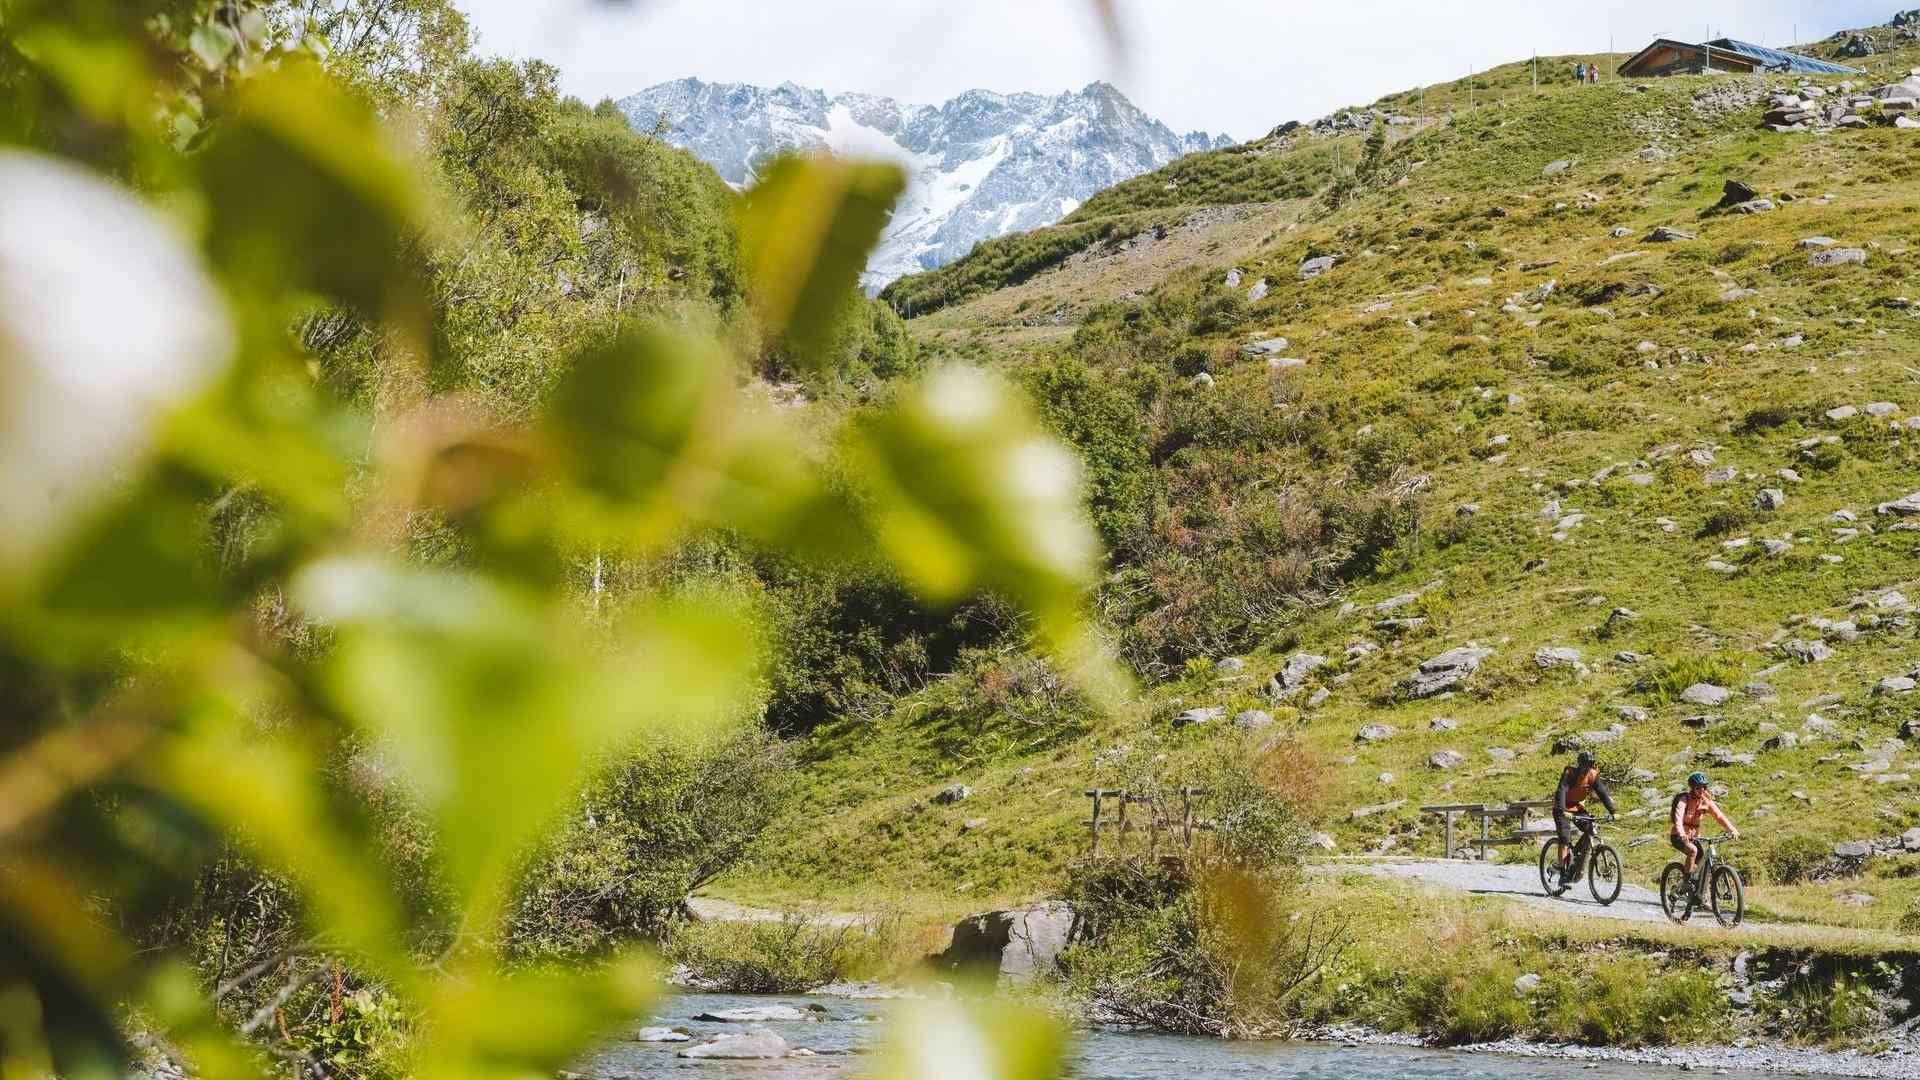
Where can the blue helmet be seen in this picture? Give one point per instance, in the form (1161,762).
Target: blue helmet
(1698,779)
(1586,758)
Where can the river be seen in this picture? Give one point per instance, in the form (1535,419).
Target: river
(848,1028)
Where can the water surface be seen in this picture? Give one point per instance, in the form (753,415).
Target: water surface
(848,1028)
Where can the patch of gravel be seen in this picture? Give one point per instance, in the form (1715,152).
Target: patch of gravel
(1897,1062)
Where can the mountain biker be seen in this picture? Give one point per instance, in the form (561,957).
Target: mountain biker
(1577,782)
(1688,808)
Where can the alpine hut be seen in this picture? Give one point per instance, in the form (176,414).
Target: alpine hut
(1726,55)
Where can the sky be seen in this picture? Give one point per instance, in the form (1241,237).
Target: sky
(1235,67)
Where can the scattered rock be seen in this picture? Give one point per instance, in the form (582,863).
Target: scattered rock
(953,793)
(1016,945)
(1443,723)
(1253,720)
(1376,733)
(1808,652)
(1192,717)
(1447,759)
(1838,257)
(1558,657)
(1269,347)
(1905,506)
(1557,167)
(1666,234)
(1526,984)
(1893,684)
(1322,841)
(660,1035)
(1446,671)
(1735,192)
(1705,694)
(1770,499)
(1313,268)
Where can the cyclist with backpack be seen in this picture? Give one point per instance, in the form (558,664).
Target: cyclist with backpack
(1578,782)
(1688,808)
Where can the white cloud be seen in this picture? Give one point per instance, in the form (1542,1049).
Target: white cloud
(1233,66)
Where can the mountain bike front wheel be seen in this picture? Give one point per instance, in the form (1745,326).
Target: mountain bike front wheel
(1604,875)
(1676,892)
(1727,897)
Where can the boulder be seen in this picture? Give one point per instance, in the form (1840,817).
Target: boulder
(1558,656)
(1905,506)
(1322,841)
(1259,291)
(1881,409)
(1253,720)
(1808,652)
(1838,257)
(1013,946)
(1292,676)
(1815,243)
(952,793)
(1443,723)
(1756,206)
(753,1046)
(1705,694)
(1192,717)
(1269,347)
(1770,499)
(1376,733)
(1446,671)
(1893,684)
(1313,268)
(1234,278)
(1446,759)
(1852,849)
(1785,740)
(1666,234)
(1557,167)
(659,1035)
(1735,192)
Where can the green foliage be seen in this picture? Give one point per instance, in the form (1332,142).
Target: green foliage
(790,956)
(1099,420)
(390,630)
(1795,858)
(1824,1006)
(1253,172)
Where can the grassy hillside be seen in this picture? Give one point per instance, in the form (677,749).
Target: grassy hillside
(1515,415)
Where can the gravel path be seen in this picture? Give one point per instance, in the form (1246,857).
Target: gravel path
(1518,882)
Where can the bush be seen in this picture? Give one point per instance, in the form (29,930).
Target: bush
(1098,418)
(1791,860)
(790,956)
(1633,1001)
(1819,1006)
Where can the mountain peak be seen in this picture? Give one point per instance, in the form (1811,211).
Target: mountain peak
(981,165)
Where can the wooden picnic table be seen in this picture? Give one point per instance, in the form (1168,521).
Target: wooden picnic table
(1514,816)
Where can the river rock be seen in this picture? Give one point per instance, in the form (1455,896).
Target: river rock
(757,1014)
(1446,671)
(1015,946)
(1705,694)
(753,1046)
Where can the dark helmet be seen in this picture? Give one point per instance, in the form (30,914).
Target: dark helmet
(1586,758)
(1698,779)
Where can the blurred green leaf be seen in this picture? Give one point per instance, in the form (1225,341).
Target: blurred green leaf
(805,232)
(983,1038)
(530,1024)
(307,193)
(212,44)
(492,707)
(654,425)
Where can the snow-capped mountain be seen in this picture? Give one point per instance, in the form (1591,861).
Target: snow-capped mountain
(979,166)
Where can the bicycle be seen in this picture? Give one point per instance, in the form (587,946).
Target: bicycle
(1593,857)
(1716,886)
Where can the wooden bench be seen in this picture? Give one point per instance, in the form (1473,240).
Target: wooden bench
(1515,819)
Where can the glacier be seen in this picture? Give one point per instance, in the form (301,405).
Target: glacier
(979,166)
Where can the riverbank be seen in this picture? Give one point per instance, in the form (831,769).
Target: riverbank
(1899,1060)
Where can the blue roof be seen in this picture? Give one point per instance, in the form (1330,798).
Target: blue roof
(1775,60)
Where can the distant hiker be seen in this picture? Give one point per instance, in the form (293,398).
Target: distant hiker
(1577,781)
(1580,72)
(1593,74)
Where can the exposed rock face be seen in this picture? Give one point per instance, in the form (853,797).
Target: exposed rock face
(980,166)
(1015,946)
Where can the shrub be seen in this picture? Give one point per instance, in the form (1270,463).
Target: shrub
(1819,1006)
(1791,860)
(790,956)
(1632,1001)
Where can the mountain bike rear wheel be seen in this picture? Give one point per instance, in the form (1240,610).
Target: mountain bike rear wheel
(1676,892)
(1551,853)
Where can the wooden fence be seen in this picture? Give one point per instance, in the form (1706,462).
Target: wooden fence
(1158,818)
